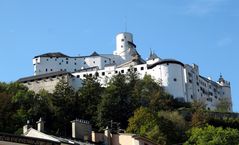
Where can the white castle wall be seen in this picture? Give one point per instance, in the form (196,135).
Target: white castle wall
(180,80)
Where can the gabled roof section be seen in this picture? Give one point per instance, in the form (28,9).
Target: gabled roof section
(53,54)
(37,134)
(94,54)
(20,139)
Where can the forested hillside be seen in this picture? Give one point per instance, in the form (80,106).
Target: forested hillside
(139,106)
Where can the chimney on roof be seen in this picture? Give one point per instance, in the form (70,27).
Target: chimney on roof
(81,129)
(107,136)
(40,125)
(26,127)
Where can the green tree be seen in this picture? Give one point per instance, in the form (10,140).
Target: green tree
(150,94)
(15,106)
(89,98)
(210,135)
(142,121)
(115,99)
(175,132)
(63,98)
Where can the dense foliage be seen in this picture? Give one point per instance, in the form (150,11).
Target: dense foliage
(210,135)
(139,106)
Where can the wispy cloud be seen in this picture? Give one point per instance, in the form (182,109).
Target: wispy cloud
(203,7)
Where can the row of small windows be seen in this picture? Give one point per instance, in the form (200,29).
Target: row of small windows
(76,63)
(103,73)
(52,70)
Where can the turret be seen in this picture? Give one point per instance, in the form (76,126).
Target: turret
(125,46)
(225,91)
(153,58)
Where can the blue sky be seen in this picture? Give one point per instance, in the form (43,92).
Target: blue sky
(204,32)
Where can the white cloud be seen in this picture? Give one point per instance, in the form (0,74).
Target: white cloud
(203,7)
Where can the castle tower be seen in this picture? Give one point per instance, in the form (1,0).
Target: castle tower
(225,91)
(125,46)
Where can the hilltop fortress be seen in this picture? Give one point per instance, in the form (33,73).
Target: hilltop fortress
(181,80)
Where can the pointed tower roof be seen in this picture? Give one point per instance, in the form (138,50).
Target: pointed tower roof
(152,55)
(94,54)
(221,79)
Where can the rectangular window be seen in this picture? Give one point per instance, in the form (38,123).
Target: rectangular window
(78,76)
(97,74)
(142,68)
(103,73)
(122,71)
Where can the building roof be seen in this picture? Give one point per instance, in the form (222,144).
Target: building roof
(94,54)
(88,69)
(54,54)
(131,43)
(153,56)
(208,80)
(111,64)
(166,61)
(37,134)
(38,77)
(6,138)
